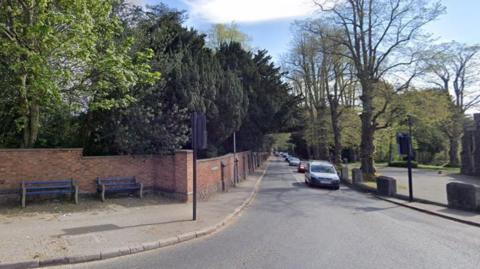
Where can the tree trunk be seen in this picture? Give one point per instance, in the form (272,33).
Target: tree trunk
(455,134)
(367,147)
(453,151)
(30,113)
(337,134)
(323,152)
(390,149)
(24,110)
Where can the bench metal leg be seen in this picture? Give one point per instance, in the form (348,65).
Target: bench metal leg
(102,194)
(76,195)
(24,197)
(141,191)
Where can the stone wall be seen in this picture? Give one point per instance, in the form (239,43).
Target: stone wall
(471,148)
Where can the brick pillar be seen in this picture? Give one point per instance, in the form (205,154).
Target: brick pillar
(184,175)
(222,173)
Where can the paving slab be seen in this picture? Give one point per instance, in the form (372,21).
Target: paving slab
(471,218)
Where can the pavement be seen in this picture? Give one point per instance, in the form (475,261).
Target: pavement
(427,184)
(471,218)
(290,225)
(31,239)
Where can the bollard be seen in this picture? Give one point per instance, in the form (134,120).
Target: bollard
(344,173)
(386,186)
(357,176)
(463,196)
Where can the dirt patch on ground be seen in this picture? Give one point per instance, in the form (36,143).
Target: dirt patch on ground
(64,205)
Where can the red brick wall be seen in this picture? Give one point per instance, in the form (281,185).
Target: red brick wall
(209,173)
(173,174)
(52,164)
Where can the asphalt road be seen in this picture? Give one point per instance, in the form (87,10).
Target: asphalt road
(292,226)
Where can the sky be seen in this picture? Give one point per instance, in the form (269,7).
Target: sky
(269,24)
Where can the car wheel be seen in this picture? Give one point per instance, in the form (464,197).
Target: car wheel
(336,187)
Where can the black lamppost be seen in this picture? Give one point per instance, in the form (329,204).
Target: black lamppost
(235,163)
(409,157)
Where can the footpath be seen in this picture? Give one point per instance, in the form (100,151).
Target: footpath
(29,240)
(466,217)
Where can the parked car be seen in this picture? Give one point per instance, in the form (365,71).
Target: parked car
(294,161)
(322,174)
(301,167)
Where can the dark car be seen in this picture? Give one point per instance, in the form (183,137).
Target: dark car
(301,167)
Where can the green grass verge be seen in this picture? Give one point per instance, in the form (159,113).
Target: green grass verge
(450,170)
(439,168)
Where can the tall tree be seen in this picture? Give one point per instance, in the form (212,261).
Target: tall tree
(225,34)
(339,84)
(54,45)
(378,36)
(308,70)
(454,67)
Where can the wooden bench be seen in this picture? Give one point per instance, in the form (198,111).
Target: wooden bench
(38,188)
(112,184)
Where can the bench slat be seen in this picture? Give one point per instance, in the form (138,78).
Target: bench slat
(49,192)
(120,184)
(122,189)
(49,181)
(50,187)
(65,186)
(116,179)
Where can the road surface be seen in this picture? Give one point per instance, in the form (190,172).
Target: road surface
(292,226)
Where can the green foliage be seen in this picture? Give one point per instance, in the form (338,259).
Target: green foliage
(221,34)
(429,110)
(87,74)
(301,146)
(281,141)
(402,164)
(350,122)
(57,50)
(59,128)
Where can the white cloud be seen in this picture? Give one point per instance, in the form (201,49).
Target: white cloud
(223,11)
(136,2)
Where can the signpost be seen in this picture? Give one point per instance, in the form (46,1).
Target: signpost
(235,163)
(199,141)
(404,142)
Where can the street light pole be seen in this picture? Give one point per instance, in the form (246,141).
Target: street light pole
(409,159)
(194,146)
(235,168)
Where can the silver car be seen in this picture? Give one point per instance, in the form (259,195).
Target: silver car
(322,174)
(293,161)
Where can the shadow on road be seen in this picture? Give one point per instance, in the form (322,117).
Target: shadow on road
(299,185)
